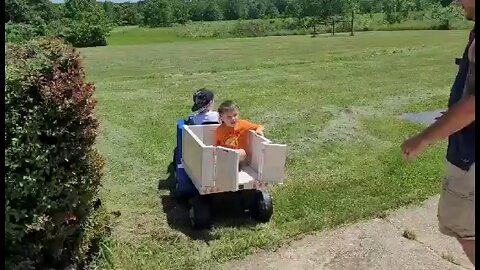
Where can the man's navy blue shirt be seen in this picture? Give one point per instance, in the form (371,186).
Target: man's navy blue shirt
(461,145)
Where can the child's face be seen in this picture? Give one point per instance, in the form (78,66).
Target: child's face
(230,118)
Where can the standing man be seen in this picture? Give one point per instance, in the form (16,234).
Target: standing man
(456,207)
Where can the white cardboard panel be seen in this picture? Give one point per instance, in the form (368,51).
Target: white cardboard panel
(192,149)
(197,130)
(255,148)
(246,175)
(218,166)
(226,169)
(208,166)
(273,167)
(209,134)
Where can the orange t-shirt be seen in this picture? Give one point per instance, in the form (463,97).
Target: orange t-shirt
(234,137)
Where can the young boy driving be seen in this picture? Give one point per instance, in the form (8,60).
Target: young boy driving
(233,131)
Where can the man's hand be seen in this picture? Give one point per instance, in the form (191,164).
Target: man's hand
(413,147)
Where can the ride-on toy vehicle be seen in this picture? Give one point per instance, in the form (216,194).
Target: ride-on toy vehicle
(204,170)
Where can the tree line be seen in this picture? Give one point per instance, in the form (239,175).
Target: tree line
(156,13)
(87,22)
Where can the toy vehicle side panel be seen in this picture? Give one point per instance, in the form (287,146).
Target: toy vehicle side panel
(273,163)
(226,169)
(254,151)
(197,130)
(208,166)
(209,134)
(198,159)
(206,133)
(184,187)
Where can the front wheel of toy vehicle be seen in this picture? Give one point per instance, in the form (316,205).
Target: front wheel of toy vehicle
(200,213)
(262,208)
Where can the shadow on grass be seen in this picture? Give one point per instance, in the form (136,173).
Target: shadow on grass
(227,211)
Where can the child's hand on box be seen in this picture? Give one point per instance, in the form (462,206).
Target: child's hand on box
(259,131)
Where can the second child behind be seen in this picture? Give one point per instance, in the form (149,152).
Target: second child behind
(203,100)
(233,131)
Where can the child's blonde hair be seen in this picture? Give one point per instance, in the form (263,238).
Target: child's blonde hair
(227,106)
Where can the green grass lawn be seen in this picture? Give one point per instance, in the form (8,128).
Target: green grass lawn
(335,101)
(134,35)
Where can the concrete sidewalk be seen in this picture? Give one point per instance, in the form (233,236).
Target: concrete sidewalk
(373,244)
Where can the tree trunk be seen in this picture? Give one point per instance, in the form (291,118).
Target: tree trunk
(351,30)
(333,26)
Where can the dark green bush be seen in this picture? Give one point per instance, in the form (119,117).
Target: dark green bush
(78,32)
(52,170)
(84,33)
(20,32)
(443,17)
(158,13)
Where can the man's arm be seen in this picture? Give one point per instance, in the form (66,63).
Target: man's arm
(457,117)
(460,114)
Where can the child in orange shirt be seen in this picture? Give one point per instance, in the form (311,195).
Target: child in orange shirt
(233,132)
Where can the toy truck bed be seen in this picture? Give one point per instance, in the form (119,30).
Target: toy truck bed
(214,169)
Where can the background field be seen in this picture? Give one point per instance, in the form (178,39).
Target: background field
(134,35)
(335,101)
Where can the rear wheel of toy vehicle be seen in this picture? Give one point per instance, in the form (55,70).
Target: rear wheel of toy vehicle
(174,163)
(200,213)
(262,208)
(179,197)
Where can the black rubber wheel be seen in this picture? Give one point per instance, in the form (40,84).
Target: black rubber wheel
(174,186)
(200,213)
(176,195)
(262,208)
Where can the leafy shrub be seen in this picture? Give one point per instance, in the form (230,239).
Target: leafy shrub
(444,16)
(52,170)
(83,33)
(253,28)
(20,32)
(272,27)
